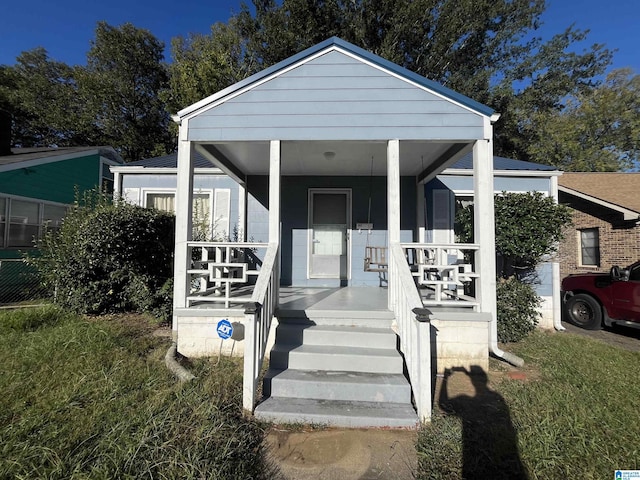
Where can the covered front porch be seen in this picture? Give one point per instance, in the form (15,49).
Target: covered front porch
(332,149)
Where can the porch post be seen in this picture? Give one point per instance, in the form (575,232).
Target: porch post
(484,225)
(184,200)
(274,209)
(393,190)
(393,209)
(274,192)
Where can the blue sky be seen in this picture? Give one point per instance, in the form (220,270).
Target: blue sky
(65,27)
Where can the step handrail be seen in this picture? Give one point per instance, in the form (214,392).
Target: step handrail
(258,315)
(413,328)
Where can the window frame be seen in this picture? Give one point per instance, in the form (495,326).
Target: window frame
(6,215)
(209,192)
(582,247)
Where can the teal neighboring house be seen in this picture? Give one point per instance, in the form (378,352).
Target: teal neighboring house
(36,187)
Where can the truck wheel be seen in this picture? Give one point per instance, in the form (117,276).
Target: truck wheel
(584,311)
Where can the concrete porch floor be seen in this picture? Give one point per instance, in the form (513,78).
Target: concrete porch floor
(367,299)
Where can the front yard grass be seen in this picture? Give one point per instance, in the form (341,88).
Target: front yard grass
(577,416)
(92,399)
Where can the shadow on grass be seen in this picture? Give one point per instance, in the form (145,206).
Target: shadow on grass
(489,439)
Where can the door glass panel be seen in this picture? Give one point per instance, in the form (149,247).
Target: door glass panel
(330,208)
(329,222)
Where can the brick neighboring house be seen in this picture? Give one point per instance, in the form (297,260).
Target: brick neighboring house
(606,221)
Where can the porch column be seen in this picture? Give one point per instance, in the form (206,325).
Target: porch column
(274,192)
(184,200)
(274,208)
(484,225)
(393,190)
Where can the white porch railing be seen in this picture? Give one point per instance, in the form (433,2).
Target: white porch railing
(219,269)
(445,271)
(258,316)
(413,329)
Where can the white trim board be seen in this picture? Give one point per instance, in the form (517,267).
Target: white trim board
(626,213)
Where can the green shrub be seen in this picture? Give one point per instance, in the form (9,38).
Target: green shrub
(110,257)
(517,309)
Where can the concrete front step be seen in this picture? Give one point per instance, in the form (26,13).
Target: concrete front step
(337,413)
(377,318)
(336,358)
(348,336)
(345,386)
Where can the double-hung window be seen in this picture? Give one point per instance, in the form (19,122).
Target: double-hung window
(589,240)
(23,220)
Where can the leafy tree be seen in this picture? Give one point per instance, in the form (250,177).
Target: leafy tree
(597,130)
(205,64)
(41,96)
(528,228)
(485,49)
(121,86)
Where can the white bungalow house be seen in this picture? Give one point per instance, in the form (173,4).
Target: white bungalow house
(331,149)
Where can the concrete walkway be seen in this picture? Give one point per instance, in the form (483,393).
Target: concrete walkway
(344,454)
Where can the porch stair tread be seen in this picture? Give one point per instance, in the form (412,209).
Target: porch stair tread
(379,318)
(336,358)
(346,335)
(354,414)
(336,385)
(346,372)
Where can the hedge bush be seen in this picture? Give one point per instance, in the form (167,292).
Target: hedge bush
(110,257)
(518,312)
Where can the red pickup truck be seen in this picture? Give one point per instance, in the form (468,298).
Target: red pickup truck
(591,299)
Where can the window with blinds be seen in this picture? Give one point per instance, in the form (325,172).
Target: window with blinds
(589,239)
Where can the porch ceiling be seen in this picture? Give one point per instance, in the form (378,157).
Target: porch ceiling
(340,158)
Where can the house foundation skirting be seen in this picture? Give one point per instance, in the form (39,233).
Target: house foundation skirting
(460,341)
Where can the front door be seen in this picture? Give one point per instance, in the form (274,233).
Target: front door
(329,222)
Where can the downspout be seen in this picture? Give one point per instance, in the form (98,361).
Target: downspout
(555,277)
(487,153)
(508,357)
(557,300)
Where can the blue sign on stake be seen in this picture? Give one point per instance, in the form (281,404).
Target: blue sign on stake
(224,329)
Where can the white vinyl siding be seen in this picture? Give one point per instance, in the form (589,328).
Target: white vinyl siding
(336,97)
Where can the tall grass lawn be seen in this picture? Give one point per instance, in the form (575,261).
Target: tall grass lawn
(92,399)
(576,416)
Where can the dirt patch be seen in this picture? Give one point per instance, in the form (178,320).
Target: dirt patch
(344,453)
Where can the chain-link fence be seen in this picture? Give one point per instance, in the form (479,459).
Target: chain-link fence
(19,283)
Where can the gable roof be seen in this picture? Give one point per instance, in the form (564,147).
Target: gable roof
(338,43)
(26,157)
(618,191)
